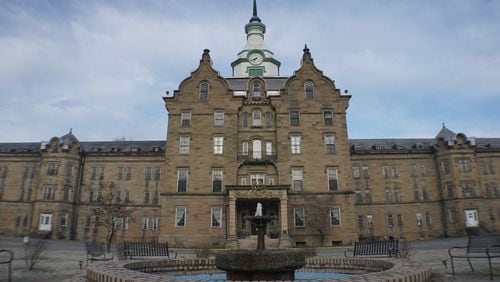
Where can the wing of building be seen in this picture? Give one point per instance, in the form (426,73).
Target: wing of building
(255,137)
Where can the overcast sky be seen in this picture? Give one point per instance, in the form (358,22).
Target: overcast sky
(102,67)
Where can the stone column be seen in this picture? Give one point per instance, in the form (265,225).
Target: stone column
(285,240)
(232,239)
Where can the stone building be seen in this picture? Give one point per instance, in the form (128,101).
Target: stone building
(255,137)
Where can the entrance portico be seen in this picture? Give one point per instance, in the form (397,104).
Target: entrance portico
(242,201)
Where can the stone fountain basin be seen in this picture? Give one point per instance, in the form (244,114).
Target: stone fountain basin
(262,261)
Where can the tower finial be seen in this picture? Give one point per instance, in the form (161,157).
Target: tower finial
(255,8)
(443,125)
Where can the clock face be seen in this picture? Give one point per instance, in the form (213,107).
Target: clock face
(256,58)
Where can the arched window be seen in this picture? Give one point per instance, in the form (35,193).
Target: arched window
(245,119)
(268,119)
(309,90)
(204,91)
(257,149)
(256,90)
(257,118)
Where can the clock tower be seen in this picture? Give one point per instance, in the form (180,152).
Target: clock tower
(255,59)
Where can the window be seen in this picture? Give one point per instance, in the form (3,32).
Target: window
(184,145)
(369,221)
(400,220)
(217,180)
(397,195)
(154,223)
(186,119)
(157,173)
(52,169)
(204,91)
(361,222)
(335,216)
(355,172)
(256,118)
(416,193)
(445,166)
(245,119)
(452,215)
(419,218)
(309,90)
(182,178)
(390,220)
(388,195)
(257,178)
(63,219)
(327,118)
(180,217)
(125,223)
(468,189)
(218,118)
(368,196)
(218,145)
(449,190)
(359,198)
(91,196)
(48,193)
(294,118)
(413,171)
(330,144)
(156,197)
(216,217)
(421,170)
(270,181)
(256,90)
(66,193)
(428,218)
(68,170)
(299,217)
(394,171)
(268,119)
(463,165)
(425,193)
(269,148)
(365,172)
(243,181)
(244,146)
(257,149)
(295,144)
(148,173)
(145,221)
(146,197)
(127,197)
(333,184)
(297,179)
(385,171)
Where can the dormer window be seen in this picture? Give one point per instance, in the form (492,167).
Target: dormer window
(134,149)
(400,147)
(309,90)
(204,91)
(156,149)
(379,147)
(256,90)
(358,147)
(115,149)
(95,149)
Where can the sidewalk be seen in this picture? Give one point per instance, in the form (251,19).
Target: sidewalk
(61,260)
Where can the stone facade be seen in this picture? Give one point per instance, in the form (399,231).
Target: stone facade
(236,141)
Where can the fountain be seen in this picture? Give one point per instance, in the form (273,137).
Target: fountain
(261,264)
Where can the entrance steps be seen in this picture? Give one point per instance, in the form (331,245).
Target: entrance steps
(251,243)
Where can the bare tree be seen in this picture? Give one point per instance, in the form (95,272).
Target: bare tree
(318,220)
(110,210)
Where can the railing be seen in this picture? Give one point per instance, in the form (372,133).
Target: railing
(257,157)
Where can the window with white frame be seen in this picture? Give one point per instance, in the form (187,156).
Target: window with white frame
(309,90)
(125,223)
(355,172)
(369,221)
(332,175)
(244,148)
(243,181)
(218,145)
(154,223)
(63,219)
(186,119)
(180,217)
(463,165)
(294,118)
(335,216)
(48,192)
(330,144)
(156,173)
(390,220)
(428,218)
(268,119)
(269,148)
(146,197)
(216,217)
(361,222)
(184,145)
(256,90)
(219,118)
(257,149)
(468,189)
(399,218)
(295,140)
(256,118)
(148,173)
(204,91)
(299,217)
(52,169)
(145,223)
(182,178)
(270,180)
(257,178)
(385,171)
(156,198)
(98,197)
(217,180)
(297,179)
(327,117)
(419,218)
(245,119)
(365,172)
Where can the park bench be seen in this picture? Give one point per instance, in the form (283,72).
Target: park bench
(478,246)
(374,248)
(144,249)
(96,251)
(6,257)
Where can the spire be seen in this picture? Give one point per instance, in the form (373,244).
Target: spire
(255,17)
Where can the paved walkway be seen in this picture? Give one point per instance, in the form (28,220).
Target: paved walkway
(61,260)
